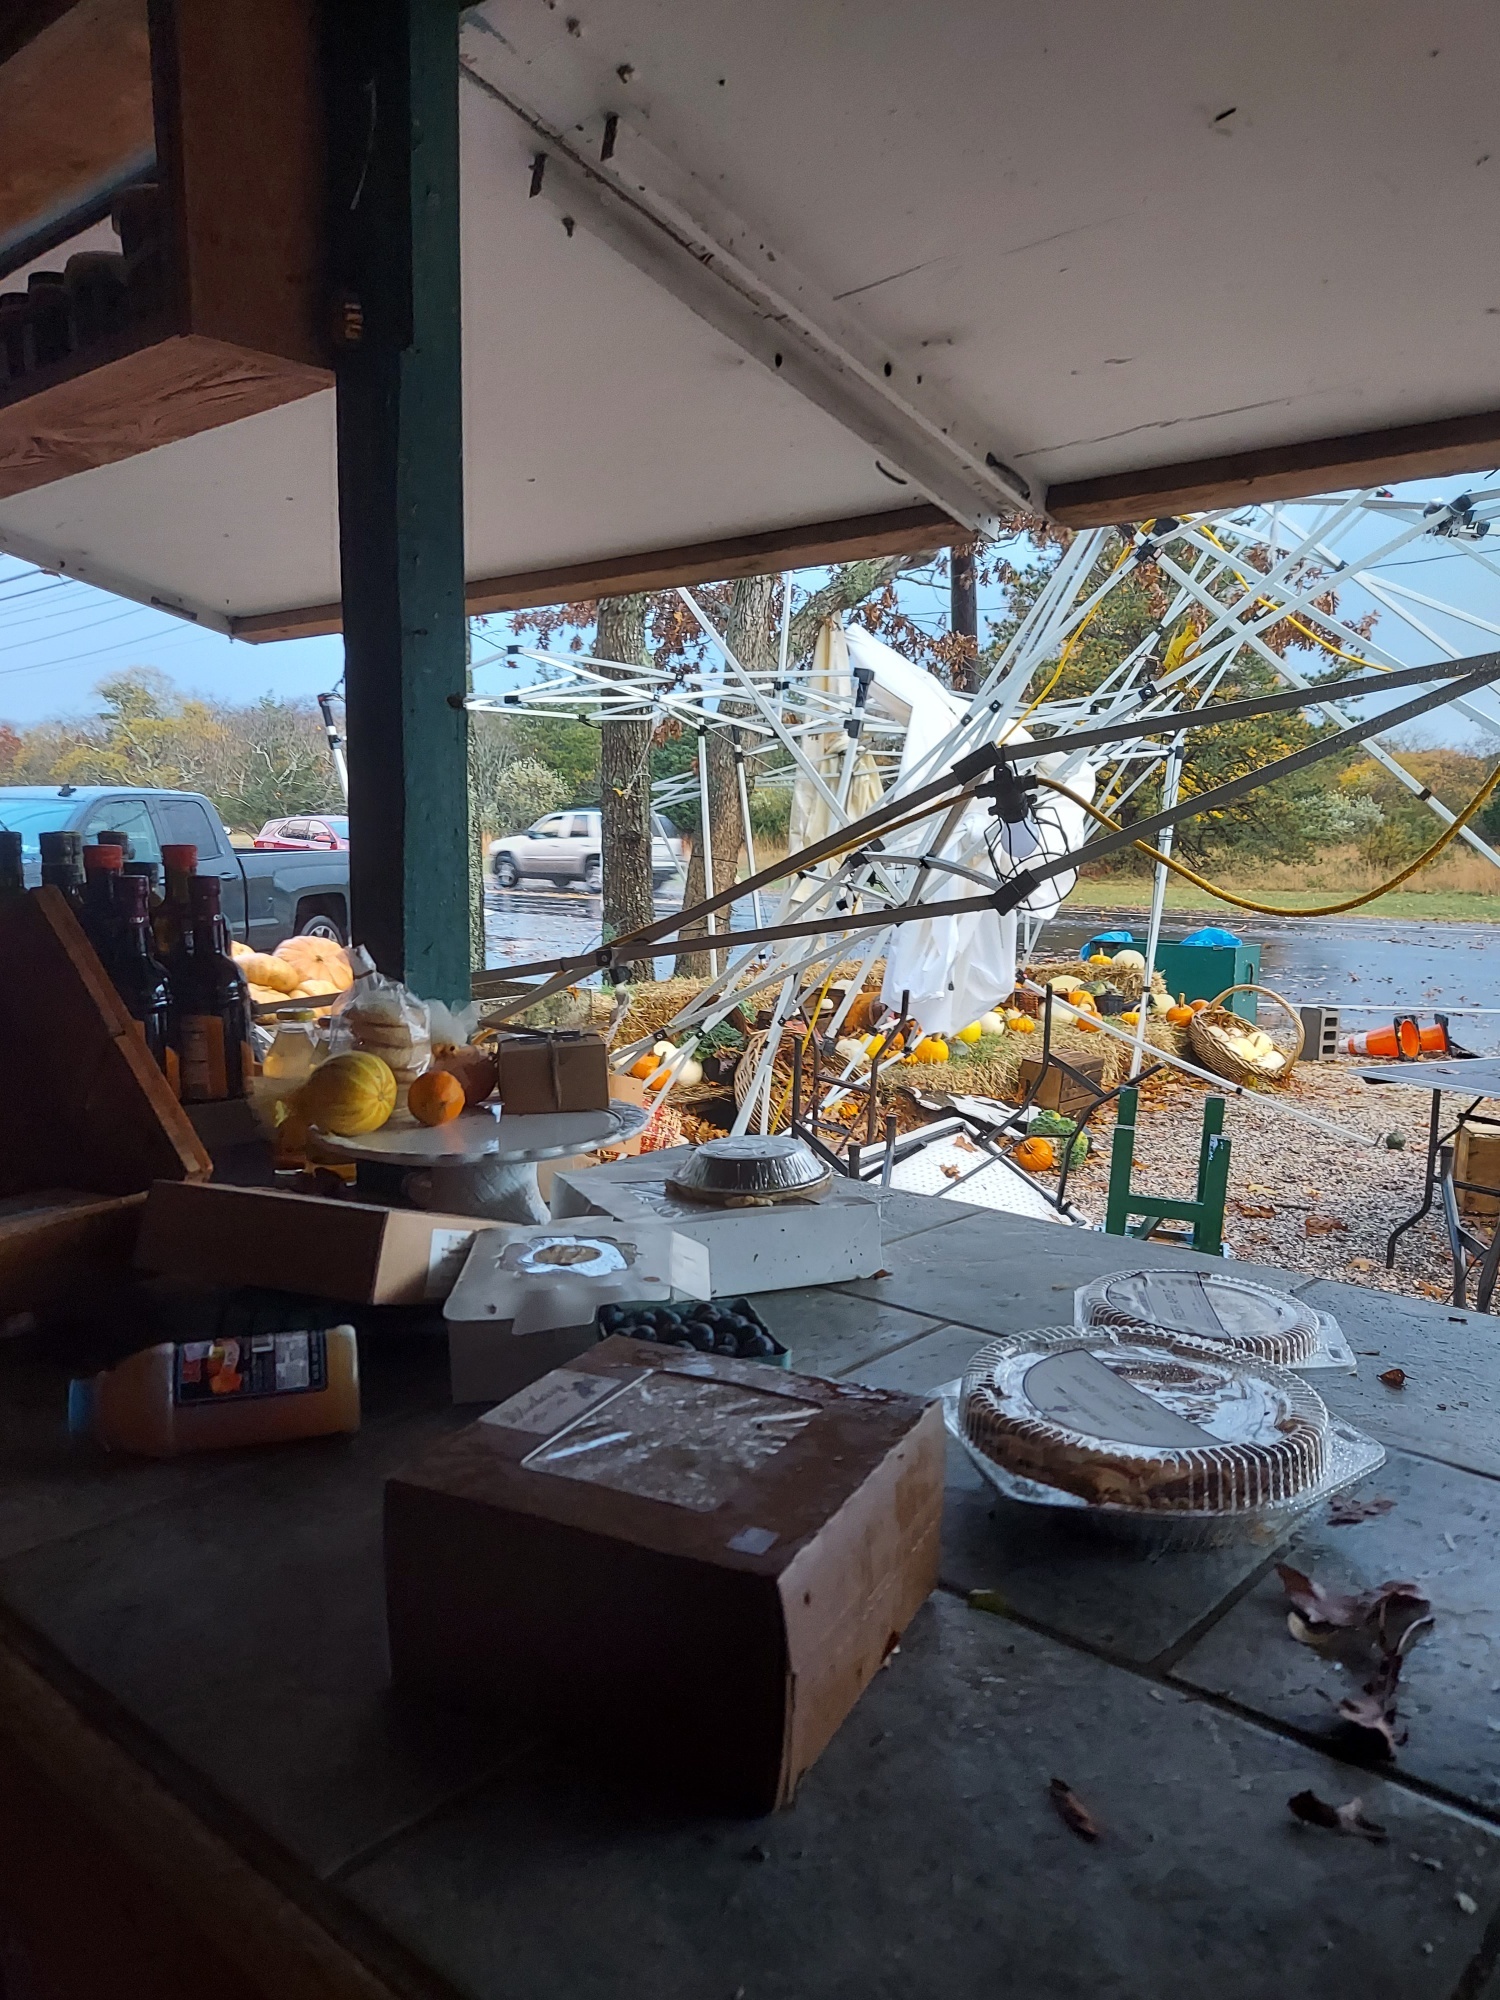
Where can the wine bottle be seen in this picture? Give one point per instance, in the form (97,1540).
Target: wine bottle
(12,869)
(173,922)
(62,867)
(101,866)
(212,1007)
(140,978)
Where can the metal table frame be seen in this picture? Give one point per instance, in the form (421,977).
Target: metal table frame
(1440,1183)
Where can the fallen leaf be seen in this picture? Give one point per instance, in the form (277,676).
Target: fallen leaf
(1347,1818)
(880,1274)
(1322,1225)
(1466,1903)
(1348,1509)
(988,1600)
(1374,1713)
(1254,1211)
(1387,1613)
(1394,1378)
(953,1173)
(964,1145)
(1071,1810)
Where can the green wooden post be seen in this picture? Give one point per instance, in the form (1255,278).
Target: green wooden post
(1121,1164)
(1213,1180)
(392,88)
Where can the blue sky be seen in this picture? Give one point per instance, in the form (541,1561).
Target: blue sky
(58,638)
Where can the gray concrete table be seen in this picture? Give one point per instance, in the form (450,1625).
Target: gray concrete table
(192,1657)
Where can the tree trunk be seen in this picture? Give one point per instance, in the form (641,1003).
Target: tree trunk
(964,618)
(751,637)
(625,785)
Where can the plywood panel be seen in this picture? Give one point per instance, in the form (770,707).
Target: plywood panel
(75,109)
(153,396)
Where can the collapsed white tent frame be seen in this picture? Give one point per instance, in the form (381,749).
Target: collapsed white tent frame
(1246,573)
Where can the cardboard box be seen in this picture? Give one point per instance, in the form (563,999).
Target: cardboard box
(685,1566)
(57,1239)
(519,1308)
(1059,1091)
(556,1071)
(792,1244)
(302,1243)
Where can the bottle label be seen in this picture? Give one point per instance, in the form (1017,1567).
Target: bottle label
(205,1078)
(263,1364)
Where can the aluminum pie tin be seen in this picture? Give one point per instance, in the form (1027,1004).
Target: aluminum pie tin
(1247,1318)
(752,1171)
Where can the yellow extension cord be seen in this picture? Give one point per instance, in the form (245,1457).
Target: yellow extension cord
(1444,839)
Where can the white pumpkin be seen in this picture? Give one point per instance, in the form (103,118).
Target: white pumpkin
(1133,960)
(992,1024)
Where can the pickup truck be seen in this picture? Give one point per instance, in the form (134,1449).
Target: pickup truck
(267,894)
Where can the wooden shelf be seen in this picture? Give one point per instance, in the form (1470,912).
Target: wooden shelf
(232,114)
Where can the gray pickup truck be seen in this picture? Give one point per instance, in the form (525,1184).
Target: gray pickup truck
(267,895)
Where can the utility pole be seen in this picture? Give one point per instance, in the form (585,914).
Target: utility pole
(963,615)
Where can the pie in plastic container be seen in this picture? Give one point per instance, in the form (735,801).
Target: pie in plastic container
(752,1171)
(1253,1319)
(1146,1428)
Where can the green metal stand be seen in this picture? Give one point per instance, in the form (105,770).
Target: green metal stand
(1132,1214)
(392,87)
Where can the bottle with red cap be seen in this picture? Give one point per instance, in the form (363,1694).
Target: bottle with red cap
(173,921)
(212,1006)
(101,868)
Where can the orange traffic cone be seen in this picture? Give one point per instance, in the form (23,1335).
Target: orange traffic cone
(1403,1039)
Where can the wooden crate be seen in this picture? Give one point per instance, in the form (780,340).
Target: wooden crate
(89,1120)
(1476,1157)
(1058,1091)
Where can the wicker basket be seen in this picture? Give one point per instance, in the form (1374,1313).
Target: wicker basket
(1209,1034)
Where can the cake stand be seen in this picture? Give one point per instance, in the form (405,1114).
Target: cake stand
(484,1161)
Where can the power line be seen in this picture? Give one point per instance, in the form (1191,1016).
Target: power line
(90,625)
(93,652)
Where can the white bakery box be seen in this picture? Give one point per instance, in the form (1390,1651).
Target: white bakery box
(525,1300)
(777,1248)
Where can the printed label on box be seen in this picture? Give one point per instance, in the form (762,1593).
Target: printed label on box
(445,1259)
(548,1406)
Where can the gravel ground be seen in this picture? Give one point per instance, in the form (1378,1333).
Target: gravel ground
(1298,1197)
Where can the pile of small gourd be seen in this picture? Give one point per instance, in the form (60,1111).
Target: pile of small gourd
(666,1065)
(300,968)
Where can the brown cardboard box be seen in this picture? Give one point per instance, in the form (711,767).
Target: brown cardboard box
(702,1596)
(542,1073)
(302,1243)
(1059,1092)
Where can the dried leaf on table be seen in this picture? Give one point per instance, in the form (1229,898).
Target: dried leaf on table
(1322,1225)
(1374,1712)
(1394,1378)
(1387,1613)
(1348,1509)
(1071,1810)
(1347,1818)
(953,1173)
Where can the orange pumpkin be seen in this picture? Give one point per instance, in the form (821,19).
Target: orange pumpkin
(1087,1024)
(1196,1006)
(436,1097)
(1179,1016)
(1035,1155)
(864,1012)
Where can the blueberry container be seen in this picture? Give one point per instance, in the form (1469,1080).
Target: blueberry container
(728,1327)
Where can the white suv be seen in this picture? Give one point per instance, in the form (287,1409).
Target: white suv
(565,847)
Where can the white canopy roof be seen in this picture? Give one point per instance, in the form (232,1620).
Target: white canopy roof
(1001,252)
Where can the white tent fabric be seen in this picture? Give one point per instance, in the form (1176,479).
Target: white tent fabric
(955,968)
(812,816)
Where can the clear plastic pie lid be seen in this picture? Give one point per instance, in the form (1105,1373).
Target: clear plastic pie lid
(1146,1419)
(1248,1317)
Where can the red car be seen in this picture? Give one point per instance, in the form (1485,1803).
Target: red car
(320,830)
